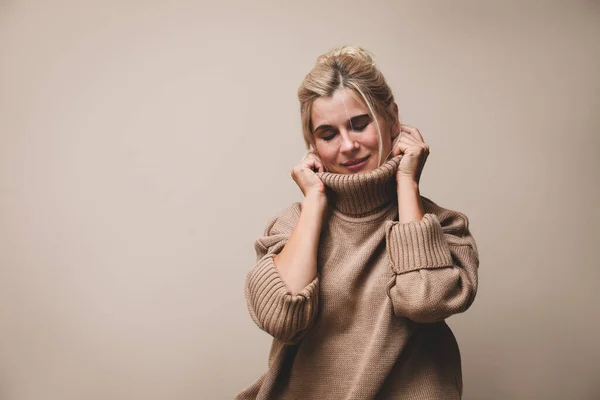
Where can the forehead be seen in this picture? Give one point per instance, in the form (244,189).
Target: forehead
(337,109)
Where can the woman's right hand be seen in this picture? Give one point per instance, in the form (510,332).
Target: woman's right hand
(304,176)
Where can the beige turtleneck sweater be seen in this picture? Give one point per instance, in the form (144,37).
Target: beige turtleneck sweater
(371,323)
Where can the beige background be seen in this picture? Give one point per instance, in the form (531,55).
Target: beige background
(145,144)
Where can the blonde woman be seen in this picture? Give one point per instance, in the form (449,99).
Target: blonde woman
(354,283)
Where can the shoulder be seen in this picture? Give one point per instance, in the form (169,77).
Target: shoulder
(284,220)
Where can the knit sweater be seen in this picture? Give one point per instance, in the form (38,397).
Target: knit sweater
(371,323)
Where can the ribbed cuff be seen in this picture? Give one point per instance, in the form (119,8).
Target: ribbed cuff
(272,305)
(417,244)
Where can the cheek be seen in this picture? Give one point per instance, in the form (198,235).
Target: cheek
(327,153)
(329,156)
(371,138)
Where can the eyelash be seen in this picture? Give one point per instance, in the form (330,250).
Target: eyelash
(356,128)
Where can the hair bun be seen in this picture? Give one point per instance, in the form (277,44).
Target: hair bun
(350,51)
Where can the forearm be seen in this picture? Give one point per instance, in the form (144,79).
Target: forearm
(297,261)
(410,207)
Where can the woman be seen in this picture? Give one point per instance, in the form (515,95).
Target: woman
(355,281)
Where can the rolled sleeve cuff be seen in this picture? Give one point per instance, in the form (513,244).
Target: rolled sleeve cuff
(417,244)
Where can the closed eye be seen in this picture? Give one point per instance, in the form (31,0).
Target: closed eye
(357,124)
(362,127)
(360,123)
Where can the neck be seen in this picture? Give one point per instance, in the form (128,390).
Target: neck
(361,195)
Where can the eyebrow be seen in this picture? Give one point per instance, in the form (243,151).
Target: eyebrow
(352,121)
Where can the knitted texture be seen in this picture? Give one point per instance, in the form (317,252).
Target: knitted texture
(371,323)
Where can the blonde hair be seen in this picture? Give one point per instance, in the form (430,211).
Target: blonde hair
(349,67)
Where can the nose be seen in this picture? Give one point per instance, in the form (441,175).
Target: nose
(348,144)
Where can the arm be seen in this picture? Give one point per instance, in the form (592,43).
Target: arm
(297,262)
(282,288)
(434,261)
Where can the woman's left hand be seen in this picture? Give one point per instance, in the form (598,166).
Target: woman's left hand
(415,152)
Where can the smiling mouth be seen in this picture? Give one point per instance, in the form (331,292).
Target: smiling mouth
(356,162)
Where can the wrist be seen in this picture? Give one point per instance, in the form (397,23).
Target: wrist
(407,183)
(410,206)
(315,198)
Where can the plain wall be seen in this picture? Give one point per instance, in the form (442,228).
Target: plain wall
(144,145)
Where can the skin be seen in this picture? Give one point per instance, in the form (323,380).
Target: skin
(415,153)
(343,131)
(297,262)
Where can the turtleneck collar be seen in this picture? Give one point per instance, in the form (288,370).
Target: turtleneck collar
(360,195)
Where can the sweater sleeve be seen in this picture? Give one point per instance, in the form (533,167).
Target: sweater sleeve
(273,308)
(434,263)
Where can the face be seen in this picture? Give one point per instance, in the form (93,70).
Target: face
(344,131)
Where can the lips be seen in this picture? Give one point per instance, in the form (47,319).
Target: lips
(354,162)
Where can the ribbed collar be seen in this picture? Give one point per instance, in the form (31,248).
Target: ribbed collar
(360,195)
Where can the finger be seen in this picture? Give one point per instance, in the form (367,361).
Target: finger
(320,166)
(320,163)
(400,148)
(314,162)
(411,140)
(414,132)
